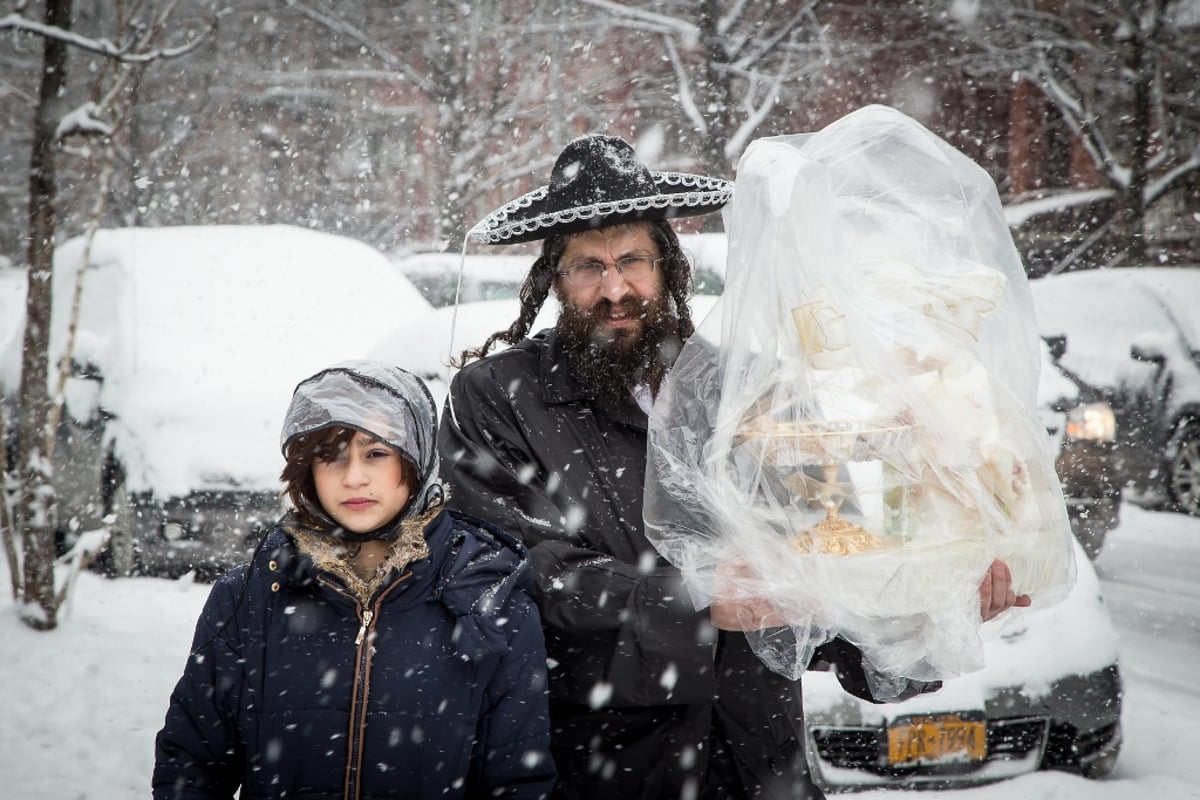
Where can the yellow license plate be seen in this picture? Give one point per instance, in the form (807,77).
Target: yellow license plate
(937,737)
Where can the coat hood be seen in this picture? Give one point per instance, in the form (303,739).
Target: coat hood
(380,400)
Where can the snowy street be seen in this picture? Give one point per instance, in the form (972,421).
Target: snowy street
(1149,571)
(83,703)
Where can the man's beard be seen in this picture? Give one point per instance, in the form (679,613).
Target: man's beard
(610,363)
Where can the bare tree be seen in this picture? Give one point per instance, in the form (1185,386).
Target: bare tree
(731,62)
(487,78)
(35,516)
(1123,78)
(401,124)
(54,124)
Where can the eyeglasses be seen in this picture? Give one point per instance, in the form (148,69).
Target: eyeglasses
(590,273)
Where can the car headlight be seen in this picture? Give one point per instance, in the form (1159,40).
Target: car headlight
(1094,422)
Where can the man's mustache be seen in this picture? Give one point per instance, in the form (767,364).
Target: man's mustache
(629,306)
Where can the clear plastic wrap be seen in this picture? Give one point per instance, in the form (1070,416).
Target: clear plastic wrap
(851,433)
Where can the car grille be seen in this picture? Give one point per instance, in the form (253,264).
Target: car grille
(1016,738)
(866,748)
(1070,749)
(854,748)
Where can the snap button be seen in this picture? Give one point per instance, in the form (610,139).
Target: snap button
(275,586)
(273,565)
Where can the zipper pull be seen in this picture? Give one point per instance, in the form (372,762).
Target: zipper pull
(362,631)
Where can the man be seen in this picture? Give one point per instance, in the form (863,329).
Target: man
(648,697)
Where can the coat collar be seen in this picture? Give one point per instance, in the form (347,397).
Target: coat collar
(554,372)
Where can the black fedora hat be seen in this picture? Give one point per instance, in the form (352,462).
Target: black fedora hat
(599,181)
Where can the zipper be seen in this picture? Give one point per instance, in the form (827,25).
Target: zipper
(366,623)
(358,702)
(368,618)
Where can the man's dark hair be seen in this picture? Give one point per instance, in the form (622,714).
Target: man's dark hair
(677,281)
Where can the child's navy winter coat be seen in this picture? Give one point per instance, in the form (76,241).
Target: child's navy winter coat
(435,688)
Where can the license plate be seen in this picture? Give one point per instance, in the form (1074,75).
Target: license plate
(937,737)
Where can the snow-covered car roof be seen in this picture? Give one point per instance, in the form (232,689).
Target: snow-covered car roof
(1104,312)
(477,277)
(202,333)
(422,345)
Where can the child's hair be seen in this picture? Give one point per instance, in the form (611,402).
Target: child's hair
(325,445)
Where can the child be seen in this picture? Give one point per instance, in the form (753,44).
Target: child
(376,645)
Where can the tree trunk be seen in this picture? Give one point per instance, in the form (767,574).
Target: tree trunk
(714,97)
(37,503)
(1133,205)
(7,526)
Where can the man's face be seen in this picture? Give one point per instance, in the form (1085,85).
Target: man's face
(613,311)
(619,332)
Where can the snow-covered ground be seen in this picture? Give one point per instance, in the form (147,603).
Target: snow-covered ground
(82,703)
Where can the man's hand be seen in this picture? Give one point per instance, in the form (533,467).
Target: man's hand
(996,592)
(733,609)
(744,615)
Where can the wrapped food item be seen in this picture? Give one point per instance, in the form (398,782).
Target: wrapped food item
(851,433)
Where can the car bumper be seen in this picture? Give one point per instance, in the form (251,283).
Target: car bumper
(204,532)
(1075,726)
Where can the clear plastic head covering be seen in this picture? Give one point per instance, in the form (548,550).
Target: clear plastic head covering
(851,433)
(378,399)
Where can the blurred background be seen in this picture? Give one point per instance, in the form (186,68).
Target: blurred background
(402,123)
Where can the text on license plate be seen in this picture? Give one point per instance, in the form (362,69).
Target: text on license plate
(936,737)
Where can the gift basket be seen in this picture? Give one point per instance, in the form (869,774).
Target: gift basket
(851,432)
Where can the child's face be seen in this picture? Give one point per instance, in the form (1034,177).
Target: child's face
(362,486)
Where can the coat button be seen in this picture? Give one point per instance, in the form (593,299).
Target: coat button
(273,565)
(275,586)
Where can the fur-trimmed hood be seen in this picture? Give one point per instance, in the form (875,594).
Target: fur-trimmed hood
(470,566)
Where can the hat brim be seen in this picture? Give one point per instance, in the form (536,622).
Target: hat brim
(527,219)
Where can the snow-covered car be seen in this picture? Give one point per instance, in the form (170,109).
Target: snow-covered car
(1048,698)
(468,278)
(189,344)
(1133,335)
(444,278)
(471,324)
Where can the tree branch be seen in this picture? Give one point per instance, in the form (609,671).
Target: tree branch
(1163,184)
(650,21)
(687,100)
(756,115)
(104,47)
(389,58)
